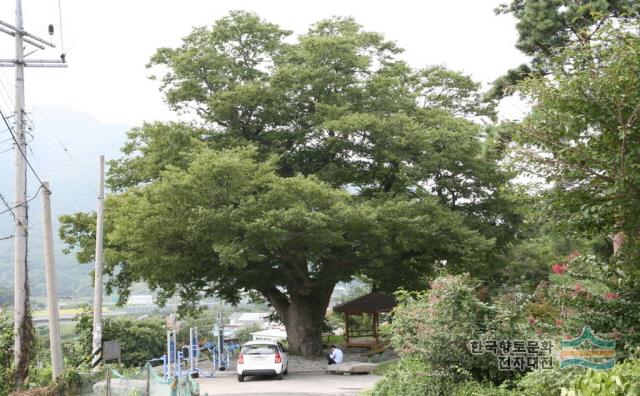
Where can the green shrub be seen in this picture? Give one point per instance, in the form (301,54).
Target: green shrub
(548,382)
(594,293)
(40,377)
(412,376)
(472,388)
(140,340)
(622,380)
(6,354)
(70,382)
(436,326)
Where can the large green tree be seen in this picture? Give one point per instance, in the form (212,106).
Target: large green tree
(581,140)
(583,135)
(581,85)
(546,27)
(308,162)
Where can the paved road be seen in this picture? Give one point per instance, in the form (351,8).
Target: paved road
(296,383)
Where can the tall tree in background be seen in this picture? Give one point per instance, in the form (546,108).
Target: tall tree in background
(580,138)
(308,162)
(567,39)
(583,136)
(546,27)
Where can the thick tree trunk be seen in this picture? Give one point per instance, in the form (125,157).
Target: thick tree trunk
(618,241)
(303,313)
(305,316)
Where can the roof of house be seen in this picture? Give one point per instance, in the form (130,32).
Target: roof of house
(260,342)
(271,333)
(369,303)
(248,316)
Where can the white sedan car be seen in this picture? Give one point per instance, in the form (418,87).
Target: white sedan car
(262,358)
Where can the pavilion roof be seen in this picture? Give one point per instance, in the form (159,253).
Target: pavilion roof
(369,303)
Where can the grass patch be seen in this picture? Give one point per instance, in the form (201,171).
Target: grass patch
(383,367)
(333,339)
(42,313)
(68,331)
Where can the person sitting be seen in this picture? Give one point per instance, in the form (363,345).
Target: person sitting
(335,356)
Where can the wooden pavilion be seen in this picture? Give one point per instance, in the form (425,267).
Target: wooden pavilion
(373,304)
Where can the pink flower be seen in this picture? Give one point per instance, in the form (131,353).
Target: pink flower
(574,254)
(559,322)
(559,268)
(577,289)
(611,296)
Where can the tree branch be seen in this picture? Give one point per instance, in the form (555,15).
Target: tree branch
(278,300)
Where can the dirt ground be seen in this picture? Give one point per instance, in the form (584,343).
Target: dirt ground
(306,377)
(298,363)
(315,383)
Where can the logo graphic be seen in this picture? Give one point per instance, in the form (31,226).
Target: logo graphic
(588,350)
(514,355)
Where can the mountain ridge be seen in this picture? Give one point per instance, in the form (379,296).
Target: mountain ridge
(64,146)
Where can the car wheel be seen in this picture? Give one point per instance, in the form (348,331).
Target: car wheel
(240,378)
(286,370)
(279,376)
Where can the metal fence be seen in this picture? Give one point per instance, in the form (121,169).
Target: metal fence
(146,382)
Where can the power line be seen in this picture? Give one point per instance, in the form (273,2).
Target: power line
(67,152)
(6,97)
(78,169)
(24,155)
(9,208)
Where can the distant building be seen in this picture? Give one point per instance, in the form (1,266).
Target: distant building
(338,293)
(270,334)
(140,299)
(242,319)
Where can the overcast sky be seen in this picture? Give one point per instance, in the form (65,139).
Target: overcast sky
(108,43)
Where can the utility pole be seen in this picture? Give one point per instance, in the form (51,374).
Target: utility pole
(97,292)
(52,291)
(22,319)
(220,337)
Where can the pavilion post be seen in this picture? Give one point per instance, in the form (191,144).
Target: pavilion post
(346,327)
(376,319)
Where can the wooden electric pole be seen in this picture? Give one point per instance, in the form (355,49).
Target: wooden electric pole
(22,319)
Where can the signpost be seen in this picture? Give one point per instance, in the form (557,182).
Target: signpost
(111,350)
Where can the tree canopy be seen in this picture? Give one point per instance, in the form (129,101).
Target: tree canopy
(546,27)
(582,136)
(308,162)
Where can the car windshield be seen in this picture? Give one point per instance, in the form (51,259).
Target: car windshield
(259,349)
